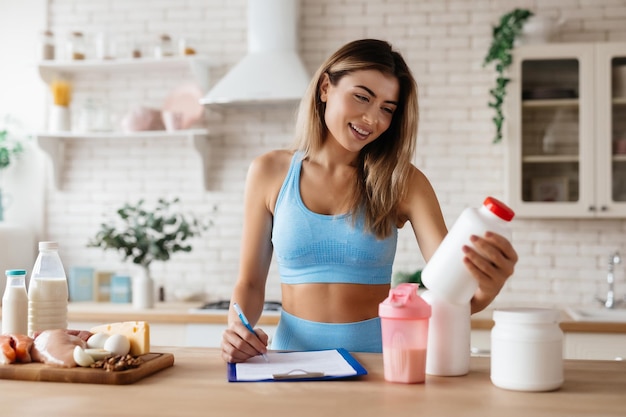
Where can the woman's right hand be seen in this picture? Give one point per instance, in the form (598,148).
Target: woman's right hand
(239,344)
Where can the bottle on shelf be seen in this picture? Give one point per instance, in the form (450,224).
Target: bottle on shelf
(47,46)
(165,47)
(76,46)
(15,303)
(48,291)
(445,274)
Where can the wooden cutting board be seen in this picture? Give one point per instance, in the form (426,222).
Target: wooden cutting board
(153,362)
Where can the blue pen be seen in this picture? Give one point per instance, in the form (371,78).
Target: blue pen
(246,323)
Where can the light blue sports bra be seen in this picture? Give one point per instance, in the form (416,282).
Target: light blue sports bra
(315,248)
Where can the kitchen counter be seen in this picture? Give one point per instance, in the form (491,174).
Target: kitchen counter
(183,313)
(163,313)
(197,386)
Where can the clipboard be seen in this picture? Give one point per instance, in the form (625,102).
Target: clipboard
(313,365)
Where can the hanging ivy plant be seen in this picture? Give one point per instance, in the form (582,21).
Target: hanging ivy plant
(502,43)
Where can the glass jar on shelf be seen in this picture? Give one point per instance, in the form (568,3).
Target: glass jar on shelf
(47,45)
(164,47)
(105,46)
(76,46)
(184,47)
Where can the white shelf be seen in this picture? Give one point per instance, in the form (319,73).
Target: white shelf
(198,65)
(561,102)
(53,144)
(550,159)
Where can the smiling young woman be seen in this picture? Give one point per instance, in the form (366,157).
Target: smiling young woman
(330,209)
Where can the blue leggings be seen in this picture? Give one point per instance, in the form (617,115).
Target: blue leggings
(294,333)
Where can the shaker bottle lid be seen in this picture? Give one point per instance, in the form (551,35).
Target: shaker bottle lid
(404,302)
(498,208)
(527,315)
(12,272)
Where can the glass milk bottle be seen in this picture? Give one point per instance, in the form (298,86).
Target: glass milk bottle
(445,274)
(15,303)
(48,292)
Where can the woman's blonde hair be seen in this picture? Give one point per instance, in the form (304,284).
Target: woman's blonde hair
(383,166)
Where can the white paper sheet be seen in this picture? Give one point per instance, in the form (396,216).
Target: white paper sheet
(329,362)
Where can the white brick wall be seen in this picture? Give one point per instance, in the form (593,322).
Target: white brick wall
(444,43)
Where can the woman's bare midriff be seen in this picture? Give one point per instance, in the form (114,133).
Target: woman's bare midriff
(333,303)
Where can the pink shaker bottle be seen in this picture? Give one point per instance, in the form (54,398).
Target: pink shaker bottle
(404,321)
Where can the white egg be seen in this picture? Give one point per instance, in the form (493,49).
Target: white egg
(97,354)
(81,357)
(118,344)
(96,341)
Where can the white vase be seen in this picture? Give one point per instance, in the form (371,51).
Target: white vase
(59,119)
(143,289)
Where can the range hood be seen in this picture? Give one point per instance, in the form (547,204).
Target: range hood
(272,71)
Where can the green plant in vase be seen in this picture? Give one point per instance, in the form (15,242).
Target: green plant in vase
(10,149)
(502,43)
(145,235)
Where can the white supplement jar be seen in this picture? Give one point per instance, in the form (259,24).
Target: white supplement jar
(527,349)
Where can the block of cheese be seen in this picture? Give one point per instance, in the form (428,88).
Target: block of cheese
(138,332)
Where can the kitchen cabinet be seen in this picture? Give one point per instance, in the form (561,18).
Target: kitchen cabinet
(161,334)
(576,345)
(53,144)
(210,335)
(566,118)
(595,346)
(181,334)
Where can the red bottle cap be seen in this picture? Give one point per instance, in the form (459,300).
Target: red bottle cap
(498,208)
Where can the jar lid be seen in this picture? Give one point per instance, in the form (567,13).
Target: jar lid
(48,245)
(404,303)
(498,208)
(527,315)
(13,272)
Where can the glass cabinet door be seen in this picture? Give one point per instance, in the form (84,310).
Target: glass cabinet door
(551,154)
(550,130)
(611,158)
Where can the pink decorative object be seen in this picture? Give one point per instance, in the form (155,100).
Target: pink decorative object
(142,118)
(172,120)
(185,100)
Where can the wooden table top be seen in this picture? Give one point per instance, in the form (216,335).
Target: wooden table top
(197,386)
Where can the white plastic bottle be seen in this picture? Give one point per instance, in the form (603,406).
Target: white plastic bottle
(449,333)
(47,292)
(445,274)
(15,303)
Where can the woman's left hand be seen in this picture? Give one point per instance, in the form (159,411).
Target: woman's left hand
(491,262)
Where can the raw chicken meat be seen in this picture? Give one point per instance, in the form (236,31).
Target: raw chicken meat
(56,347)
(83,334)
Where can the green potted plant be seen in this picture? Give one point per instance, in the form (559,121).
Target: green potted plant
(10,149)
(502,43)
(145,235)
(411,277)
